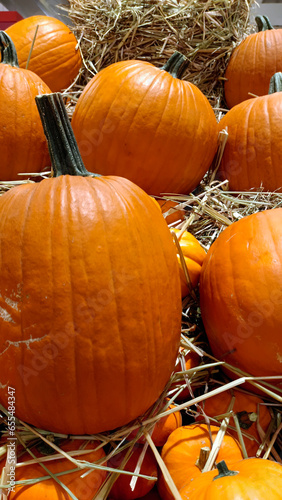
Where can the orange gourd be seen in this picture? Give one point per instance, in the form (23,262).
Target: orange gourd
(55,55)
(251,479)
(240,294)
(144,123)
(121,489)
(194,256)
(250,411)
(181,454)
(252,63)
(83,488)
(252,154)
(77,340)
(22,141)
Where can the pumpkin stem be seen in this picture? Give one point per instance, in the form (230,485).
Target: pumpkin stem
(223,471)
(203,457)
(8,50)
(275,83)
(263,23)
(63,149)
(176,65)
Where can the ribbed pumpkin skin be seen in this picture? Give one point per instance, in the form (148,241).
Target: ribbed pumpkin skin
(54,56)
(139,122)
(22,141)
(258,479)
(240,294)
(83,488)
(90,306)
(251,66)
(252,155)
(182,449)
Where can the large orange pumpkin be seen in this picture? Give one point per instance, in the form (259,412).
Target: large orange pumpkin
(252,154)
(240,294)
(145,124)
(83,488)
(252,479)
(250,411)
(55,55)
(22,141)
(182,452)
(252,63)
(88,341)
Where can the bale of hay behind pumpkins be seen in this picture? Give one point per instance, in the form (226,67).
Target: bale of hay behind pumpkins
(205,31)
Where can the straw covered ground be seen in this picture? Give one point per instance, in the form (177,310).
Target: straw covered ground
(205,32)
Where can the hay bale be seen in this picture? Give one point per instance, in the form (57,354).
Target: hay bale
(204,31)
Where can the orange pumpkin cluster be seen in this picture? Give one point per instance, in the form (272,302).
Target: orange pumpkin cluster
(92,278)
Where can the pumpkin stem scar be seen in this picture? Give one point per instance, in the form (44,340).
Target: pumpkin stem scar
(223,471)
(176,65)
(8,50)
(63,149)
(26,342)
(263,23)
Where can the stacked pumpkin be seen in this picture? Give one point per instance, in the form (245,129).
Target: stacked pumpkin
(86,240)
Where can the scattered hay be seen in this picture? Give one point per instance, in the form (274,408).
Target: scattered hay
(204,31)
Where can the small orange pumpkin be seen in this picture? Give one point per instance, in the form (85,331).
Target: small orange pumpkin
(82,488)
(121,489)
(192,359)
(170,211)
(194,256)
(249,479)
(55,55)
(181,454)
(162,428)
(248,409)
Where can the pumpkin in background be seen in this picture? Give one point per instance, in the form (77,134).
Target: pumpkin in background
(77,342)
(171,213)
(163,426)
(144,123)
(252,63)
(22,142)
(191,360)
(194,256)
(83,488)
(249,409)
(240,294)
(251,479)
(182,454)
(55,55)
(121,489)
(252,154)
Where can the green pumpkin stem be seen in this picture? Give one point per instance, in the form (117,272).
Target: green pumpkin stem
(63,149)
(176,65)
(8,50)
(263,23)
(223,471)
(275,83)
